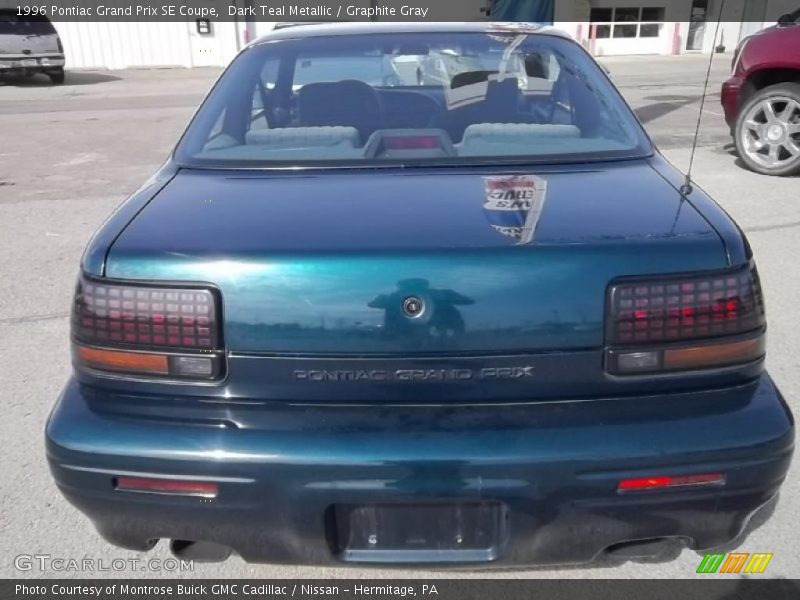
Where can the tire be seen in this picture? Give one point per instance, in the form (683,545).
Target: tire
(767,130)
(57,77)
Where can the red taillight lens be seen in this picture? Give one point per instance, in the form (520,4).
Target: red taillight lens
(686,308)
(155,317)
(166,486)
(679,322)
(137,329)
(640,484)
(412,142)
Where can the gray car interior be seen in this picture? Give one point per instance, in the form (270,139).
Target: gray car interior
(335,120)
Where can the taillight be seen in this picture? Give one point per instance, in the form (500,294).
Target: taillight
(151,330)
(60,45)
(685,322)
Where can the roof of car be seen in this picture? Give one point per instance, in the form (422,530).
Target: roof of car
(316,29)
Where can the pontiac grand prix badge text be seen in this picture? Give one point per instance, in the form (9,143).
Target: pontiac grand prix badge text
(413,374)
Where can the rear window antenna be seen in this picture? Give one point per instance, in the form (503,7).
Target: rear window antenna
(687,188)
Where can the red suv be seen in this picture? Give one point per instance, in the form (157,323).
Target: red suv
(762,98)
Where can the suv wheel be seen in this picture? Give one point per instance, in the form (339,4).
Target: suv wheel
(56,76)
(767,131)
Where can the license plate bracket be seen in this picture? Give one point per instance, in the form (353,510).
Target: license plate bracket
(420,533)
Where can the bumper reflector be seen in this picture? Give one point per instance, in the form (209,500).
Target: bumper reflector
(129,362)
(166,486)
(657,482)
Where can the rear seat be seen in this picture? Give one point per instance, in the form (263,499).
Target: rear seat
(329,143)
(339,142)
(484,138)
(292,137)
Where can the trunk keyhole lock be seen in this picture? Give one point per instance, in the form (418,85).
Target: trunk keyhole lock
(413,307)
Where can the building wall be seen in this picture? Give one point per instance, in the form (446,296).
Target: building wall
(113,45)
(122,45)
(678,34)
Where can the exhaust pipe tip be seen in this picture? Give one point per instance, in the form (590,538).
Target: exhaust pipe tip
(125,539)
(199,551)
(649,550)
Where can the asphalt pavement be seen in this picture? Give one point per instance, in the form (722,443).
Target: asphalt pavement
(70,154)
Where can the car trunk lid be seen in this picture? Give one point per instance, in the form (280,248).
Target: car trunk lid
(315,271)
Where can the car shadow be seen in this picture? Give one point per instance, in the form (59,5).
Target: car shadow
(72,78)
(663,106)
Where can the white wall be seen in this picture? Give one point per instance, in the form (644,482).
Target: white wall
(114,45)
(155,44)
(214,49)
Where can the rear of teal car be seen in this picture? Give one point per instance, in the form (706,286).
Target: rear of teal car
(380,321)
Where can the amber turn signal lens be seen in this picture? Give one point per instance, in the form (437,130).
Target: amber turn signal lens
(713,355)
(129,362)
(708,355)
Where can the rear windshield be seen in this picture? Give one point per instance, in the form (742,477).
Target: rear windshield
(12,24)
(412,99)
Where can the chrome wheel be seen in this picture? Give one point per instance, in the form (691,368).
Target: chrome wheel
(770,132)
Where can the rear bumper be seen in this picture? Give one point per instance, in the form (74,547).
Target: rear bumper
(31,62)
(554,468)
(730,97)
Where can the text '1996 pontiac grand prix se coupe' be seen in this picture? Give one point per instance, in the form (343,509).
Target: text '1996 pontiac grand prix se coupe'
(418,293)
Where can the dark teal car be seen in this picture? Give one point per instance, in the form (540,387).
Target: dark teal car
(361,318)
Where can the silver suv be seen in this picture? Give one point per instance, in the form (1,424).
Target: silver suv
(30,45)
